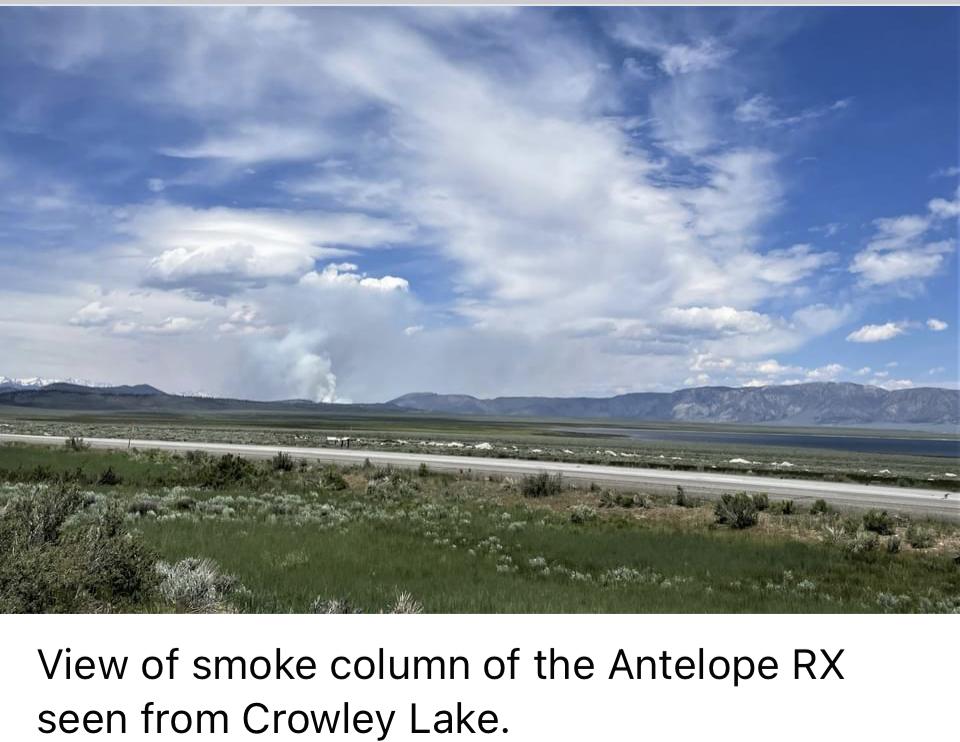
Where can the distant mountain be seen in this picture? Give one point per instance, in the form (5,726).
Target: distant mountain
(145,398)
(36,382)
(796,404)
(799,404)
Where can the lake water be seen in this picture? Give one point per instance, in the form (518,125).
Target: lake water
(858,444)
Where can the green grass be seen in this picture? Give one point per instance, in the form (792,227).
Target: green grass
(459,544)
(286,568)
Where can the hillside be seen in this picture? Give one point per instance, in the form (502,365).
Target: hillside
(799,404)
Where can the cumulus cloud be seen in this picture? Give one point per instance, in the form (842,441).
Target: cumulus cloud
(344,274)
(830,372)
(93,314)
(716,319)
(219,250)
(877,333)
(937,325)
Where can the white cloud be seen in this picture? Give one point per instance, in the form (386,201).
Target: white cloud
(93,314)
(865,371)
(412,330)
(217,250)
(947,172)
(877,333)
(944,209)
(707,54)
(250,143)
(716,319)
(900,250)
(343,274)
(762,111)
(157,185)
(830,372)
(937,325)
(168,326)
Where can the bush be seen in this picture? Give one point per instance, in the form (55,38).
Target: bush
(893,545)
(761,501)
(736,511)
(57,557)
(195,586)
(143,507)
(622,500)
(282,462)
(109,478)
(541,485)
(333,479)
(681,498)
(423,470)
(863,541)
(920,538)
(783,507)
(878,521)
(582,514)
(332,606)
(227,471)
(73,443)
(405,603)
(820,507)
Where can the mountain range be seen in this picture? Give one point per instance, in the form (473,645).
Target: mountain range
(826,403)
(822,403)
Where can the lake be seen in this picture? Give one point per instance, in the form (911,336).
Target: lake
(942,447)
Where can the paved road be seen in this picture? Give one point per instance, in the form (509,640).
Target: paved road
(934,503)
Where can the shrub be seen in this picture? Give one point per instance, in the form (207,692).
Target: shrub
(761,501)
(862,542)
(184,503)
(56,557)
(736,511)
(681,498)
(74,443)
(582,514)
(144,506)
(541,485)
(893,545)
(405,603)
(783,507)
(195,585)
(332,606)
(333,479)
(820,507)
(423,470)
(622,500)
(878,521)
(227,471)
(920,538)
(282,462)
(109,478)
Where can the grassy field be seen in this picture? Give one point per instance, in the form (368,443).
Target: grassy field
(283,537)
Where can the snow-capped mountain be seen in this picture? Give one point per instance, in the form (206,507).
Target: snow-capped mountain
(38,382)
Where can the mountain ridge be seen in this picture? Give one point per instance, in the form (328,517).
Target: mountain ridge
(816,403)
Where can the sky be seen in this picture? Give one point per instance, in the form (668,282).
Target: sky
(351,204)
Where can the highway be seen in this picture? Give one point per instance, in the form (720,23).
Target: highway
(933,503)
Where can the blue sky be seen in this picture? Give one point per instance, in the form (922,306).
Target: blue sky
(350,204)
